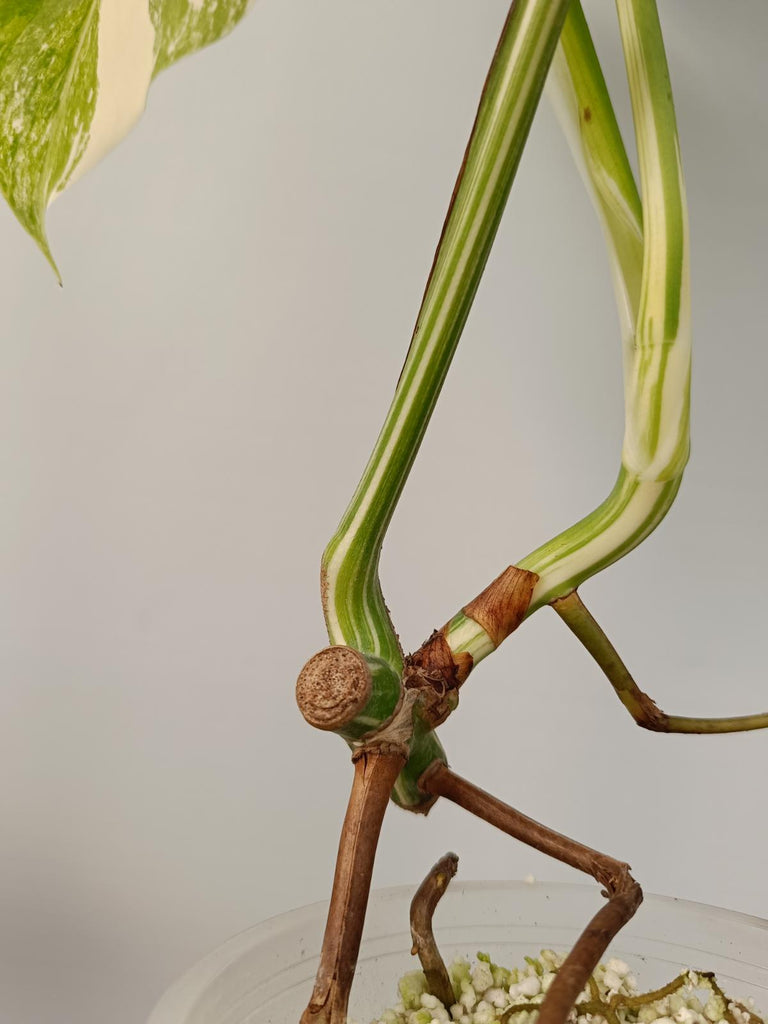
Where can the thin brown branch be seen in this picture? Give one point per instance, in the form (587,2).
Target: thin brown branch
(375,772)
(423,906)
(585,955)
(623,892)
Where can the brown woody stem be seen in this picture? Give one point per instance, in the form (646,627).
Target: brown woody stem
(376,769)
(623,892)
(423,906)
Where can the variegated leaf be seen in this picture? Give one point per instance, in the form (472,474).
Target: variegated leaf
(74,76)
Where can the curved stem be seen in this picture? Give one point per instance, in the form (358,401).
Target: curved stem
(423,906)
(354,605)
(655,312)
(623,892)
(585,627)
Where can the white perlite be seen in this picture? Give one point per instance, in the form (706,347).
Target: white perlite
(486,993)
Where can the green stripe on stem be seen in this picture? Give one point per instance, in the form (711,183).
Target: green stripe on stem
(580,97)
(354,606)
(386,693)
(425,750)
(657,368)
(657,421)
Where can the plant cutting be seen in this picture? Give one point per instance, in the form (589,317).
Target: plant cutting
(388,706)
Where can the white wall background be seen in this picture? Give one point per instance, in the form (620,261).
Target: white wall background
(181,427)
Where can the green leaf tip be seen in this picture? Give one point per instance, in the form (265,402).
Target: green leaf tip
(74,77)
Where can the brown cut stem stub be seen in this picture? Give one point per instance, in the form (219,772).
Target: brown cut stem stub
(502,606)
(375,774)
(423,906)
(333,687)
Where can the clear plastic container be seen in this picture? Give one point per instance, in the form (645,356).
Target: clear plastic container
(265,975)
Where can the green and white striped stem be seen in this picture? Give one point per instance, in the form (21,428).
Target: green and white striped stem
(354,606)
(654,310)
(579,95)
(648,247)
(355,612)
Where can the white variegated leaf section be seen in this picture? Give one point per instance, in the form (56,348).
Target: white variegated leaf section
(74,78)
(124,67)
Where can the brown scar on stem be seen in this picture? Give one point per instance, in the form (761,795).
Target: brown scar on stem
(438,672)
(456,186)
(437,675)
(423,906)
(502,606)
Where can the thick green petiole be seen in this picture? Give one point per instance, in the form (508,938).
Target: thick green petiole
(648,244)
(353,602)
(580,98)
(654,308)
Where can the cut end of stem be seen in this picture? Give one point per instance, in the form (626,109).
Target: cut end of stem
(333,687)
